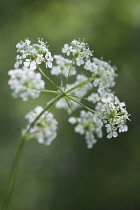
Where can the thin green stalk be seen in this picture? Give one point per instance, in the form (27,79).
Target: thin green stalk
(87,99)
(13,175)
(67,79)
(85,106)
(68,105)
(61,80)
(46,91)
(82,83)
(48,78)
(71,109)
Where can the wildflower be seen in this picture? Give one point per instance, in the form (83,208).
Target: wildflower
(31,55)
(105,74)
(25,83)
(105,110)
(114,115)
(49,59)
(79,50)
(45,128)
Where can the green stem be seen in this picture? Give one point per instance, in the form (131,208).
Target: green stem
(82,83)
(67,79)
(85,106)
(46,91)
(13,175)
(61,80)
(48,78)
(87,99)
(71,110)
(68,105)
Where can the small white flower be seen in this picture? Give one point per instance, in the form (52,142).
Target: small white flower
(112,134)
(109,136)
(67,49)
(123,128)
(79,129)
(30,64)
(106,100)
(79,61)
(115,134)
(49,60)
(90,66)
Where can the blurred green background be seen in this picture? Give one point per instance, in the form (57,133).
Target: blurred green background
(66,175)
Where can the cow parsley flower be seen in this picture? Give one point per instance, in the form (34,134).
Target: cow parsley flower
(79,50)
(105,74)
(24,83)
(114,115)
(48,59)
(45,128)
(88,124)
(31,55)
(64,66)
(105,108)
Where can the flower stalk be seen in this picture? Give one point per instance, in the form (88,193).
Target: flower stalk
(13,175)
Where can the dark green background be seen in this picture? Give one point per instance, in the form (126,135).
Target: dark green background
(66,175)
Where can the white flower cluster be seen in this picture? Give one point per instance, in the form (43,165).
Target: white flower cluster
(64,66)
(25,83)
(114,115)
(105,74)
(45,128)
(96,89)
(31,55)
(80,92)
(79,50)
(90,125)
